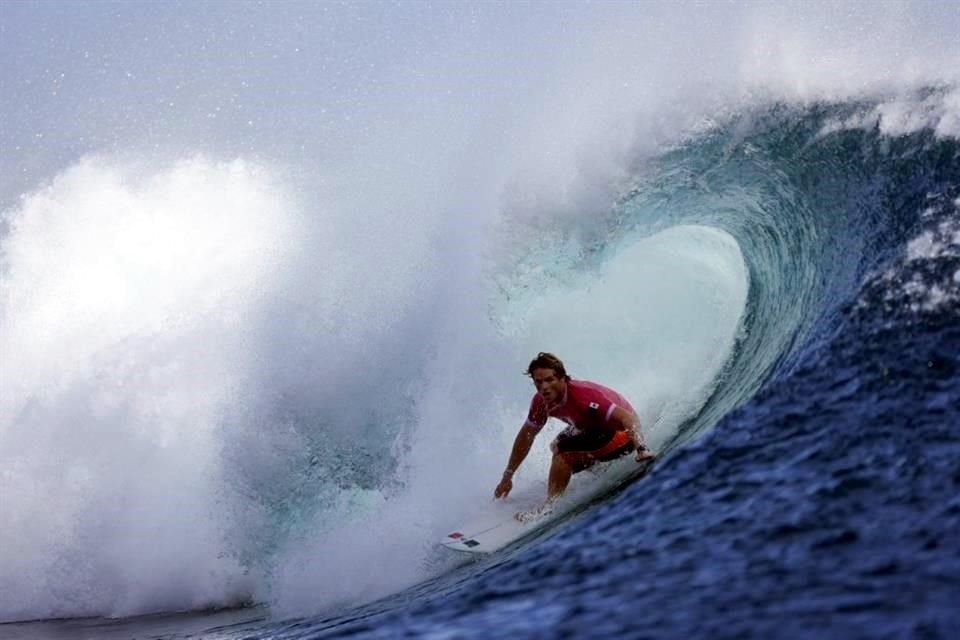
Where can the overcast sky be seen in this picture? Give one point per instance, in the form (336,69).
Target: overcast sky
(316,82)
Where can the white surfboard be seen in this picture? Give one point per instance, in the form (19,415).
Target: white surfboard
(495,525)
(488,538)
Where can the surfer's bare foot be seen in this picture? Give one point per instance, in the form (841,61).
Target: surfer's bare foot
(534,514)
(644,454)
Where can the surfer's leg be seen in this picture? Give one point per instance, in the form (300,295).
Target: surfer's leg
(560,472)
(562,468)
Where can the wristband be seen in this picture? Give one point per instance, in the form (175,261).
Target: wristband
(507,472)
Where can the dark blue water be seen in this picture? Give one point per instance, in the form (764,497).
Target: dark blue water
(817,494)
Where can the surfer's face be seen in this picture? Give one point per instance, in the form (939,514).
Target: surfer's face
(549,385)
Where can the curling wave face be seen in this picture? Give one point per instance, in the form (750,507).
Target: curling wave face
(815,198)
(832,489)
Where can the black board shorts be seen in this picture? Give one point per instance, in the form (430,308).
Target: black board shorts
(583,449)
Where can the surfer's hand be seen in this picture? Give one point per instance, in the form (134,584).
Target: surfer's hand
(506,483)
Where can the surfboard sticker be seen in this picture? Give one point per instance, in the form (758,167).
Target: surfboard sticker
(485,536)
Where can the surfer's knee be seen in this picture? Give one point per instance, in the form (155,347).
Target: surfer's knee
(562,462)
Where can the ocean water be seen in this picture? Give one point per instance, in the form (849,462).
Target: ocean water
(270,275)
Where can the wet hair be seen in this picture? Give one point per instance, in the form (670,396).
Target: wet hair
(547,361)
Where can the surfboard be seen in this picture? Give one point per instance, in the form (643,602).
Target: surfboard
(486,538)
(494,525)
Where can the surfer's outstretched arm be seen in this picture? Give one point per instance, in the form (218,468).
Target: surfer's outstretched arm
(629,422)
(521,447)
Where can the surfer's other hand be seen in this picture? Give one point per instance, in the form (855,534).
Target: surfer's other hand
(644,454)
(503,489)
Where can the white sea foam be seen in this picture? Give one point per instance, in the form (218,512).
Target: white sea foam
(917,280)
(909,113)
(123,302)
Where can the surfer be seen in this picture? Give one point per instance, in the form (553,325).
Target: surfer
(601,426)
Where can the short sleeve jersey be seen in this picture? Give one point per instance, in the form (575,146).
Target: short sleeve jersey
(585,405)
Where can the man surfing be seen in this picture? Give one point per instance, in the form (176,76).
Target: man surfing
(601,426)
